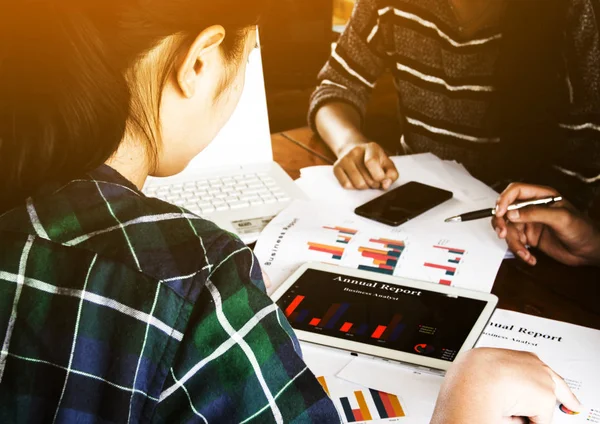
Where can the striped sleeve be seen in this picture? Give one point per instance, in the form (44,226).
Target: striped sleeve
(581,161)
(356,62)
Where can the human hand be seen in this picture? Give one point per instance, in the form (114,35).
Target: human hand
(558,230)
(365,165)
(496,386)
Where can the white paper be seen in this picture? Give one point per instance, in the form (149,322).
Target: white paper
(572,351)
(435,252)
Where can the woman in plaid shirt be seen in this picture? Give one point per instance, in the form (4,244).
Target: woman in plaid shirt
(115,307)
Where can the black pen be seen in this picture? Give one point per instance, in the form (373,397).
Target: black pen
(486,213)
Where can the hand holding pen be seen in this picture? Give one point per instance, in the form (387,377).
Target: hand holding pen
(557,229)
(486,213)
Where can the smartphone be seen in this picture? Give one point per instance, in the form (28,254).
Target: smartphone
(403,203)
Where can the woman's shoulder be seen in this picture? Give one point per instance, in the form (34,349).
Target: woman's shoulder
(112,218)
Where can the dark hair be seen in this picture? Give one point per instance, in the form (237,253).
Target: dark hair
(64,96)
(531,85)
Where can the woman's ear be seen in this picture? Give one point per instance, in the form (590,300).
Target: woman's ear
(205,43)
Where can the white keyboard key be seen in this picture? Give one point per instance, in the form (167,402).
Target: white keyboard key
(208,209)
(283,198)
(229,183)
(270,183)
(257,202)
(249,197)
(264,191)
(238,204)
(217,202)
(188,195)
(223,207)
(221,196)
(255,185)
(213,191)
(172,197)
(195,209)
(254,191)
(204,204)
(230,199)
(269,199)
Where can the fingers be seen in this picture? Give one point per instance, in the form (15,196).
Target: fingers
(380,166)
(559,219)
(519,191)
(391,173)
(342,177)
(356,177)
(564,395)
(517,241)
(500,226)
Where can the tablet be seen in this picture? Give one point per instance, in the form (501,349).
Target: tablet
(410,321)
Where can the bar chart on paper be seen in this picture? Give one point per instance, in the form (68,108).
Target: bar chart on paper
(443,262)
(334,241)
(381,255)
(359,404)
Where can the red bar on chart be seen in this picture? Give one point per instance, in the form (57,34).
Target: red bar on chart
(346,327)
(292,307)
(314,322)
(445,282)
(450,248)
(378,331)
(357,414)
(444,267)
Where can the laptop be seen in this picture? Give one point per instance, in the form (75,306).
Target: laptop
(234,182)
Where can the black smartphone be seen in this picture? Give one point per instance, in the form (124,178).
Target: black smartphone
(403,203)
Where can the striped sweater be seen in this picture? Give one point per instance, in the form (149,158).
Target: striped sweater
(445,84)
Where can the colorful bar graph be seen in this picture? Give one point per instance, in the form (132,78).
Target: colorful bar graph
(336,252)
(379,404)
(384,261)
(378,331)
(292,306)
(446,282)
(346,327)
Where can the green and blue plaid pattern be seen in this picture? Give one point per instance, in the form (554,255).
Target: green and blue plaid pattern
(115,307)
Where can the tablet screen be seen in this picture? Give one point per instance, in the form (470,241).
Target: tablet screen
(392,316)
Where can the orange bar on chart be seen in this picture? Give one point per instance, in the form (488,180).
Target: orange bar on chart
(368,249)
(362,403)
(396,405)
(324,384)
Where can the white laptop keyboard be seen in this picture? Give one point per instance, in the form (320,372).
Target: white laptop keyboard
(206,196)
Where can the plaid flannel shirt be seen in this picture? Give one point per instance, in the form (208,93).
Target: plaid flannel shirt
(115,307)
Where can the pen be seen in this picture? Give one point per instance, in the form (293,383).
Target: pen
(486,213)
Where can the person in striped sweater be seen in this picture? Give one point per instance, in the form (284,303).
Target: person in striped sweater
(509,88)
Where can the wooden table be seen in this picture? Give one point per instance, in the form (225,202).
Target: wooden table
(549,289)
